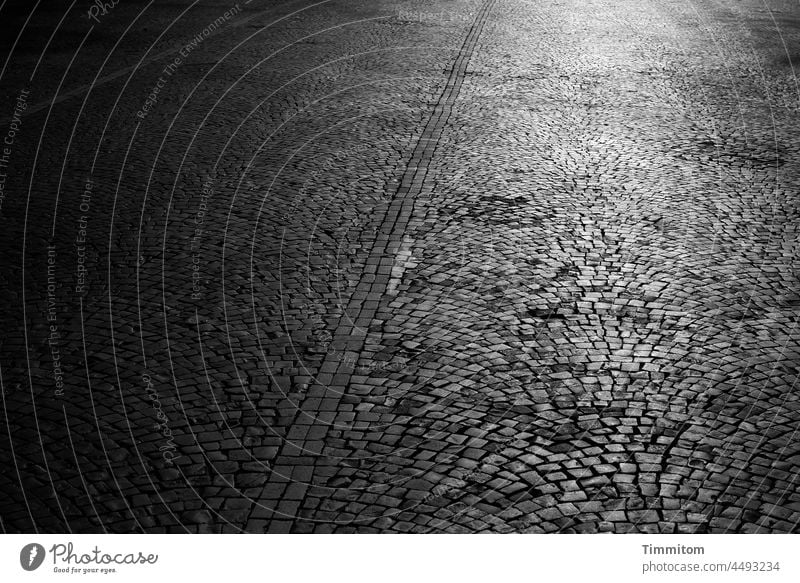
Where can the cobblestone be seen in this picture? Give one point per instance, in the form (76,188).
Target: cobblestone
(527,268)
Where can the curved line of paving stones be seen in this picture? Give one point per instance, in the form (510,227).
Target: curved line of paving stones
(668,445)
(723,48)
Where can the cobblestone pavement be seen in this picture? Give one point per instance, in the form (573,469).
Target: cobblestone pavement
(453,266)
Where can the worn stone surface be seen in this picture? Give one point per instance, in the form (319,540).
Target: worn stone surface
(402,267)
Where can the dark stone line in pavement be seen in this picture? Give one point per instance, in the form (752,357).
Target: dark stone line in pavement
(350,334)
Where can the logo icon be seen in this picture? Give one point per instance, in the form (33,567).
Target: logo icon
(31,556)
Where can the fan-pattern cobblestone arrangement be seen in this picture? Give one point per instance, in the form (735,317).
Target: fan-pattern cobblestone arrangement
(453,266)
